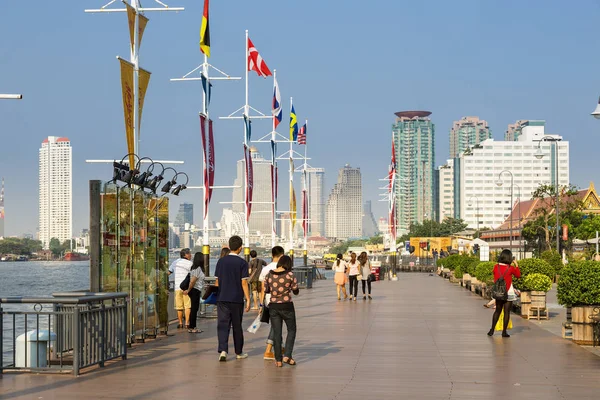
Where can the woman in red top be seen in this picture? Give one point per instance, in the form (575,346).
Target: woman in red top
(505,269)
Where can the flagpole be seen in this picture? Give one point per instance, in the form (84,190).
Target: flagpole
(136,73)
(273,164)
(246,114)
(305,197)
(205,220)
(291,231)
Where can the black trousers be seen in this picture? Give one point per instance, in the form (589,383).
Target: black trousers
(353,285)
(195,298)
(230,315)
(281,313)
(368,282)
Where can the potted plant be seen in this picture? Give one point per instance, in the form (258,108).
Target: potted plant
(537,285)
(527,267)
(484,272)
(553,258)
(579,288)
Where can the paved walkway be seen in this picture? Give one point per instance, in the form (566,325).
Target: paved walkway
(419,338)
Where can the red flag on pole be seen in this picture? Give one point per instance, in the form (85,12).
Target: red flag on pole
(255,61)
(208,146)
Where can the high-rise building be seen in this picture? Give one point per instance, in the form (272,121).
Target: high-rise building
(316,201)
(2,209)
(370,228)
(260,216)
(344,206)
(414,140)
(445,191)
(477,172)
(185,215)
(514,130)
(467,132)
(55,190)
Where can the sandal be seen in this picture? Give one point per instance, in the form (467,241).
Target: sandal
(195,330)
(278,364)
(179,326)
(289,361)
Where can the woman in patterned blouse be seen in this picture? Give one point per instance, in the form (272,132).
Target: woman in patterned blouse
(281,283)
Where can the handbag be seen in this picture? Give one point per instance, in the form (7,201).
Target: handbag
(359,277)
(499,291)
(372,278)
(264,315)
(185,284)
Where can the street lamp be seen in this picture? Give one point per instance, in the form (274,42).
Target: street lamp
(520,226)
(470,204)
(512,184)
(539,154)
(596,113)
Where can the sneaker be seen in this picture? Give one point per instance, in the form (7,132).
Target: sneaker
(223,356)
(241,356)
(269,356)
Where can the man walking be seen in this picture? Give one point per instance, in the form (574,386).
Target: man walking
(181,267)
(232,279)
(256,266)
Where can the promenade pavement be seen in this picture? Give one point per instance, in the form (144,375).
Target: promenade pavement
(419,338)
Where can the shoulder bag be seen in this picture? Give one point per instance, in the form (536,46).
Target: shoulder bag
(499,291)
(185,284)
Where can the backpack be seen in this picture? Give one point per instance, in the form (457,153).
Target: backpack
(499,291)
(185,284)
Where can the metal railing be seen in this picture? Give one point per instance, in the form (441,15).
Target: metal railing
(71,331)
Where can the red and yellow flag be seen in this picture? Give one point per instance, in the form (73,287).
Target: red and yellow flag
(127,89)
(141,25)
(205,32)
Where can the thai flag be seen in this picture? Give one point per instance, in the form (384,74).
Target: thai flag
(277,111)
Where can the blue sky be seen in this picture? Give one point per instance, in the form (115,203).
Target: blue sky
(349,66)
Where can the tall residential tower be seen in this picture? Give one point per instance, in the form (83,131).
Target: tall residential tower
(316,201)
(55,190)
(2,210)
(414,140)
(467,132)
(344,206)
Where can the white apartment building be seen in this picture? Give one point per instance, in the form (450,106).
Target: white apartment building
(445,191)
(316,201)
(479,170)
(55,190)
(344,206)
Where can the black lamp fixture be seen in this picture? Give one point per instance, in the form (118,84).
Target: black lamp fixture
(123,172)
(182,186)
(167,186)
(140,180)
(153,182)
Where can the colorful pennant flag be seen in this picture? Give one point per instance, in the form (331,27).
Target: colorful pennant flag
(127,92)
(277,111)
(208,145)
(293,125)
(255,61)
(302,135)
(249,181)
(205,32)
(248,128)
(142,22)
(207,88)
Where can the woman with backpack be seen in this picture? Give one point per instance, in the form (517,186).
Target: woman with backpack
(503,290)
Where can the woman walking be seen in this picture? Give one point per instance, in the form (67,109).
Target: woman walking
(504,269)
(340,267)
(365,271)
(281,283)
(195,290)
(353,272)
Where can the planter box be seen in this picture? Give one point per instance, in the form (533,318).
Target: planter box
(584,321)
(525,303)
(538,308)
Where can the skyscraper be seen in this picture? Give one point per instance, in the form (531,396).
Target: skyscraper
(514,130)
(185,215)
(2,210)
(55,190)
(414,140)
(467,132)
(370,228)
(316,200)
(445,191)
(344,206)
(260,217)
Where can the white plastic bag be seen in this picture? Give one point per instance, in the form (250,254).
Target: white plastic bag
(255,325)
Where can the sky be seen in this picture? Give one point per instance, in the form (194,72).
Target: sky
(349,65)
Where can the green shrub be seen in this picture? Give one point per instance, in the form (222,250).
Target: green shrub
(451,262)
(553,258)
(484,272)
(532,266)
(537,282)
(458,272)
(579,284)
(470,265)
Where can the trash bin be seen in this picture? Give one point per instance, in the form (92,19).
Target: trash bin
(376,271)
(37,349)
(304,276)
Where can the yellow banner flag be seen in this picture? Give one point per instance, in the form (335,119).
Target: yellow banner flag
(293,206)
(143,80)
(142,25)
(127,89)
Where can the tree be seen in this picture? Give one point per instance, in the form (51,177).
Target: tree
(451,226)
(588,227)
(55,247)
(375,240)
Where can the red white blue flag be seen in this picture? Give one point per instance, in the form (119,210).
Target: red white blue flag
(277,111)
(255,61)
(302,135)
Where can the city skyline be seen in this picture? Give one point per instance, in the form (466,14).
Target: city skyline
(80,50)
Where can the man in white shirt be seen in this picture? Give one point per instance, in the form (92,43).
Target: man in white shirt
(181,267)
(277,252)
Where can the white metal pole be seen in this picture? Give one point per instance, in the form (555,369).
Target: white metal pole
(205,220)
(136,73)
(273,183)
(11,96)
(305,190)
(246,113)
(291,231)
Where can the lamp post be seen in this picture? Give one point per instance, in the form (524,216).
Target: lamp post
(539,154)
(512,182)
(470,204)
(520,226)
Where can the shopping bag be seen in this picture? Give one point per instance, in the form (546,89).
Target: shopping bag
(255,325)
(500,323)
(264,314)
(212,299)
